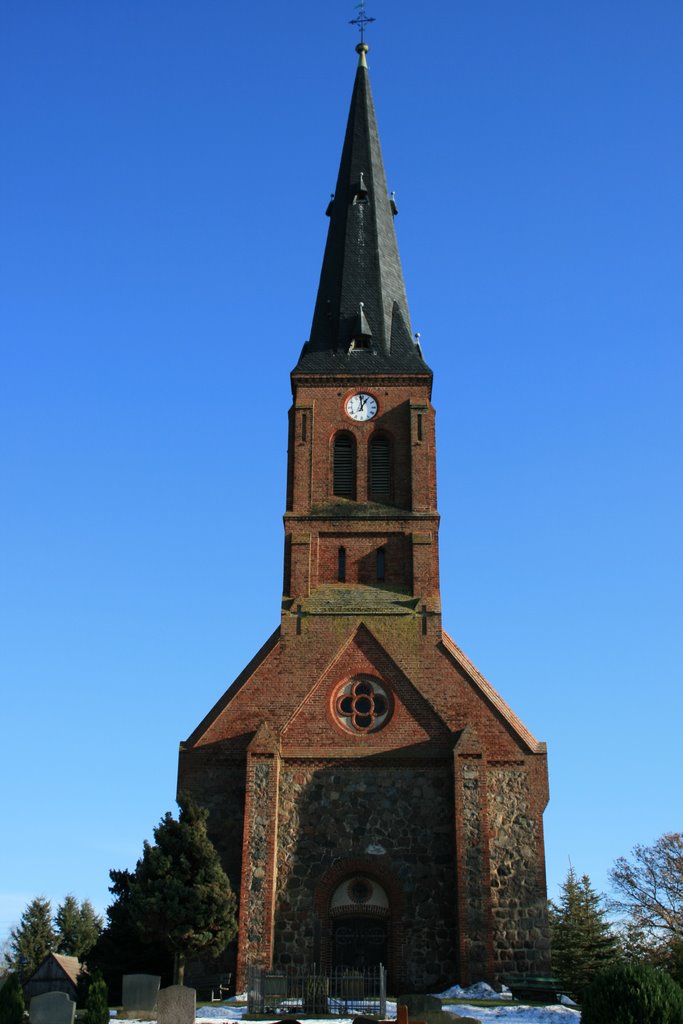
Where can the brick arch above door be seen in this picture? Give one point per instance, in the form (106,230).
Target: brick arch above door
(375,869)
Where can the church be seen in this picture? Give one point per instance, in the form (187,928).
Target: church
(372,797)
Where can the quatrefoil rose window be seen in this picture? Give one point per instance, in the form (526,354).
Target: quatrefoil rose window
(362,705)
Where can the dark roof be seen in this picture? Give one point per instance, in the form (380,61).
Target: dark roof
(361,322)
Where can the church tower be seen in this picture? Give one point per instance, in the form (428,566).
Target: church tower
(372,797)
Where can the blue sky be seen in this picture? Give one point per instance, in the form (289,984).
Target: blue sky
(165,174)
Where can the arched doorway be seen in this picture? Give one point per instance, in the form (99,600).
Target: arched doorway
(359,913)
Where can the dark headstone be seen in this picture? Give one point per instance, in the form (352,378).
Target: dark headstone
(140,992)
(52,1008)
(418,1004)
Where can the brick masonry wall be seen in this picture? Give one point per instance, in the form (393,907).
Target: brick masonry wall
(405,420)
(361,557)
(310,450)
(220,787)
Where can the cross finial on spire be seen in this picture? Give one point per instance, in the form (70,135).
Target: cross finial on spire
(361,20)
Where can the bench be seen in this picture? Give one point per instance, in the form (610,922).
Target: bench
(221,986)
(540,988)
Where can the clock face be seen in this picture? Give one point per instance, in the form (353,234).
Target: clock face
(361,407)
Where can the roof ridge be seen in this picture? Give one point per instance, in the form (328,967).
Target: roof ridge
(489,691)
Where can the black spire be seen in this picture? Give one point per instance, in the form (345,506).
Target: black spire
(361,321)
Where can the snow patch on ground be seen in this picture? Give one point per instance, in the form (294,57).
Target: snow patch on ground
(556,1014)
(221,1012)
(485,1014)
(479,991)
(517,1014)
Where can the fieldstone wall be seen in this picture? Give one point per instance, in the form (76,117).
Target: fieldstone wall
(399,820)
(473,894)
(521,940)
(258,851)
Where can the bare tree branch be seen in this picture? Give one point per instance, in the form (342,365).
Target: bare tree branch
(650,885)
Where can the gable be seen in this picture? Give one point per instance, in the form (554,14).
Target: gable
(491,699)
(221,723)
(432,693)
(362,703)
(57,966)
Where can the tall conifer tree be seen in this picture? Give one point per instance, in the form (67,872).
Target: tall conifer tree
(179,893)
(78,927)
(11,1001)
(582,940)
(32,939)
(120,948)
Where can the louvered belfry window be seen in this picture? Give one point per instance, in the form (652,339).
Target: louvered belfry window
(380,468)
(344,469)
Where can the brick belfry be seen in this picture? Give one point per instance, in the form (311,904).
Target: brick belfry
(372,797)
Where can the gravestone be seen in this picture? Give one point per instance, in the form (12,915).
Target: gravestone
(176,1005)
(418,1004)
(139,996)
(52,1008)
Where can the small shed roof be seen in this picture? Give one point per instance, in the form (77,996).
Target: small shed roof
(71,965)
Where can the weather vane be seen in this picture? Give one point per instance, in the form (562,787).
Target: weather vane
(362,20)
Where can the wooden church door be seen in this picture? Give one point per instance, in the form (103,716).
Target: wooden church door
(360,942)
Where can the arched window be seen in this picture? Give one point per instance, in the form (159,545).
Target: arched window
(344,466)
(379,464)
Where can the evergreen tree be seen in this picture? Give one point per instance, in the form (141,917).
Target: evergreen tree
(179,893)
(78,927)
(97,1004)
(11,1001)
(582,941)
(632,994)
(32,939)
(120,950)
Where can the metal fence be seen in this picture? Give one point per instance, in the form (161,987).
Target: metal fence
(314,991)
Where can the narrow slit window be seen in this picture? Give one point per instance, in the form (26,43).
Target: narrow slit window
(381,564)
(344,467)
(341,565)
(380,468)
(304,425)
(419,426)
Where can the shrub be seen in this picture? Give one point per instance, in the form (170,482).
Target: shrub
(97,1003)
(632,994)
(11,1001)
